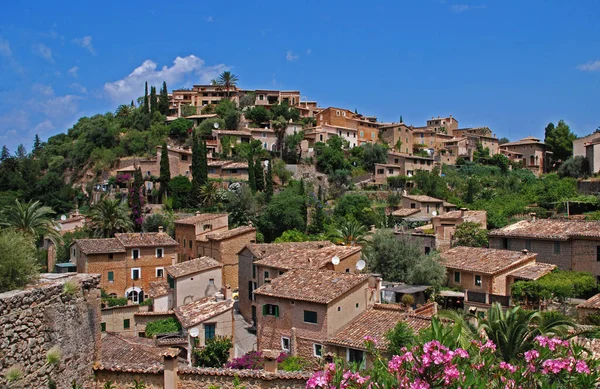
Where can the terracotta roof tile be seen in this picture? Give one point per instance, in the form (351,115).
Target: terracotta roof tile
(193,266)
(552,229)
(423,198)
(120,352)
(245,373)
(218,163)
(481,260)
(235,165)
(146,239)
(158,289)
(404,212)
(319,286)
(458,214)
(201,310)
(203,217)
(230,233)
(533,272)
(100,246)
(262,250)
(302,258)
(231,132)
(591,303)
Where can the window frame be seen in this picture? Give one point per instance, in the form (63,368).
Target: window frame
(110,276)
(289,343)
(478,276)
(318,346)
(210,331)
(310,313)
(270,310)
(139,270)
(457,273)
(126,324)
(162,252)
(139,253)
(162,270)
(557,247)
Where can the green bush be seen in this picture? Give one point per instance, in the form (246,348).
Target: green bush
(593,319)
(215,353)
(17,260)
(162,327)
(294,364)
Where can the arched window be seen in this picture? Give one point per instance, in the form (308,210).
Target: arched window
(135,294)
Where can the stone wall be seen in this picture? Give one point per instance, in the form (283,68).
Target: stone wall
(45,315)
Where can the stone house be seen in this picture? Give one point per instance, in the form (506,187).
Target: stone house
(322,133)
(302,308)
(422,208)
(192,280)
(366,129)
(589,147)
(444,225)
(248,274)
(486,275)
(267,137)
(395,133)
(235,136)
(188,230)
(569,244)
(445,125)
(589,307)
(127,263)
(383,171)
(534,154)
(410,163)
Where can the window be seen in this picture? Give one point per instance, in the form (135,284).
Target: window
(207,227)
(261,97)
(111,256)
(126,324)
(320,138)
(344,114)
(390,171)
(103,327)
(477,280)
(457,277)
(209,331)
(356,305)
(597,253)
(556,247)
(348,134)
(427,250)
(285,344)
(251,286)
(160,272)
(171,281)
(372,135)
(395,160)
(159,252)
(190,243)
(354,355)
(253,271)
(427,208)
(504,244)
(271,310)
(310,317)
(528,245)
(184,242)
(347,270)
(136,273)
(135,253)
(233,171)
(413,205)
(380,171)
(317,350)
(339,309)
(362,134)
(111,276)
(337,113)
(212,170)
(266,275)
(184,157)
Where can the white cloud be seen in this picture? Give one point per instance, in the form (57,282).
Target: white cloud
(45,90)
(86,43)
(5,50)
(308,51)
(458,8)
(59,106)
(593,66)
(73,71)
(43,51)
(290,56)
(78,87)
(43,126)
(184,70)
(210,19)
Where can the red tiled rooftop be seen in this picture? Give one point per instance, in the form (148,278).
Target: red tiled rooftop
(123,353)
(302,258)
(423,198)
(146,239)
(193,266)
(591,303)
(533,272)
(201,310)
(262,250)
(551,229)
(230,233)
(482,260)
(158,289)
(203,217)
(100,246)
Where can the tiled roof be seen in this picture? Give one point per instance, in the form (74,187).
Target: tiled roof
(533,272)
(591,303)
(236,165)
(203,217)
(218,162)
(262,250)
(231,132)
(122,353)
(154,313)
(524,141)
(230,233)
(319,286)
(481,260)
(146,239)
(100,246)
(201,310)
(447,204)
(404,212)
(193,266)
(423,198)
(552,229)
(376,322)
(158,288)
(262,375)
(302,258)
(458,214)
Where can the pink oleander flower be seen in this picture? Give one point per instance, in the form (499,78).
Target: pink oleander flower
(531,355)
(489,345)
(554,366)
(369,338)
(419,384)
(582,367)
(451,373)
(507,366)
(461,353)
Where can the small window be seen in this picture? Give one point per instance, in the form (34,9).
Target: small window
(160,272)
(598,253)
(207,227)
(266,275)
(413,205)
(318,350)
(339,309)
(355,356)
(209,331)
(159,253)
(126,324)
(528,245)
(171,281)
(253,271)
(281,272)
(135,273)
(457,277)
(271,310)
(310,317)
(356,305)
(427,250)
(135,253)
(504,244)
(111,256)
(556,247)
(285,344)
(111,276)
(190,244)
(337,113)
(477,280)
(184,242)
(184,157)
(211,281)
(347,270)
(103,327)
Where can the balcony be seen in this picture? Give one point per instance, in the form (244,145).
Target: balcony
(486,298)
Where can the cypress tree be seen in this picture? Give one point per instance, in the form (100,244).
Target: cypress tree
(302,192)
(204,163)
(269,182)
(259,176)
(251,172)
(163,100)
(136,200)
(319,216)
(132,104)
(5,153)
(153,99)
(196,167)
(146,106)
(165,170)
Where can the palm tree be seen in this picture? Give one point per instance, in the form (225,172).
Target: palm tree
(279,125)
(350,233)
(123,110)
(515,330)
(109,217)
(31,218)
(209,194)
(462,329)
(227,80)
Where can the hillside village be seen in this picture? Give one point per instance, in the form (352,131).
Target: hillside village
(217,236)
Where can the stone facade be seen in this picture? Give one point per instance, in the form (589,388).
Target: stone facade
(44,316)
(189,229)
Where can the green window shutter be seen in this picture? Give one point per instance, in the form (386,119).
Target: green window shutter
(103,327)
(171,282)
(264,310)
(126,324)
(276,310)
(111,276)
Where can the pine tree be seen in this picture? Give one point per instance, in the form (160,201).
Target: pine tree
(165,170)
(146,106)
(153,99)
(251,172)
(259,176)
(196,167)
(37,143)
(21,152)
(132,104)
(401,121)
(163,100)
(5,153)
(269,182)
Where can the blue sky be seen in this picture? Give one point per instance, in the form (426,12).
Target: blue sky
(511,65)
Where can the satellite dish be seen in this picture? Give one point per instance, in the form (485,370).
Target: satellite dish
(194,332)
(335,260)
(216,125)
(63,218)
(434,213)
(360,265)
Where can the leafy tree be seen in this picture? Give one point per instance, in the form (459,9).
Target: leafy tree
(18,264)
(247,100)
(188,110)
(373,153)
(286,211)
(503,140)
(215,353)
(155,220)
(62,250)
(232,120)
(576,167)
(398,337)
(281,171)
(31,218)
(258,115)
(284,109)
(330,156)
(560,140)
(179,128)
(279,125)
(209,194)
(153,99)
(397,182)
(349,233)
(109,217)
(560,284)
(308,122)
(354,206)
(180,189)
(163,99)
(146,102)
(241,206)
(227,81)
(207,126)
(162,326)
(259,175)
(269,181)
(291,147)
(292,236)
(501,161)
(165,169)
(430,183)
(471,234)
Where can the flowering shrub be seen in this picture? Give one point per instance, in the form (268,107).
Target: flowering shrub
(552,363)
(253,360)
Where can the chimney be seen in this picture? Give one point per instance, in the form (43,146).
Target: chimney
(160,229)
(270,360)
(170,368)
(462,211)
(227,292)
(533,216)
(198,213)
(525,251)
(219,296)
